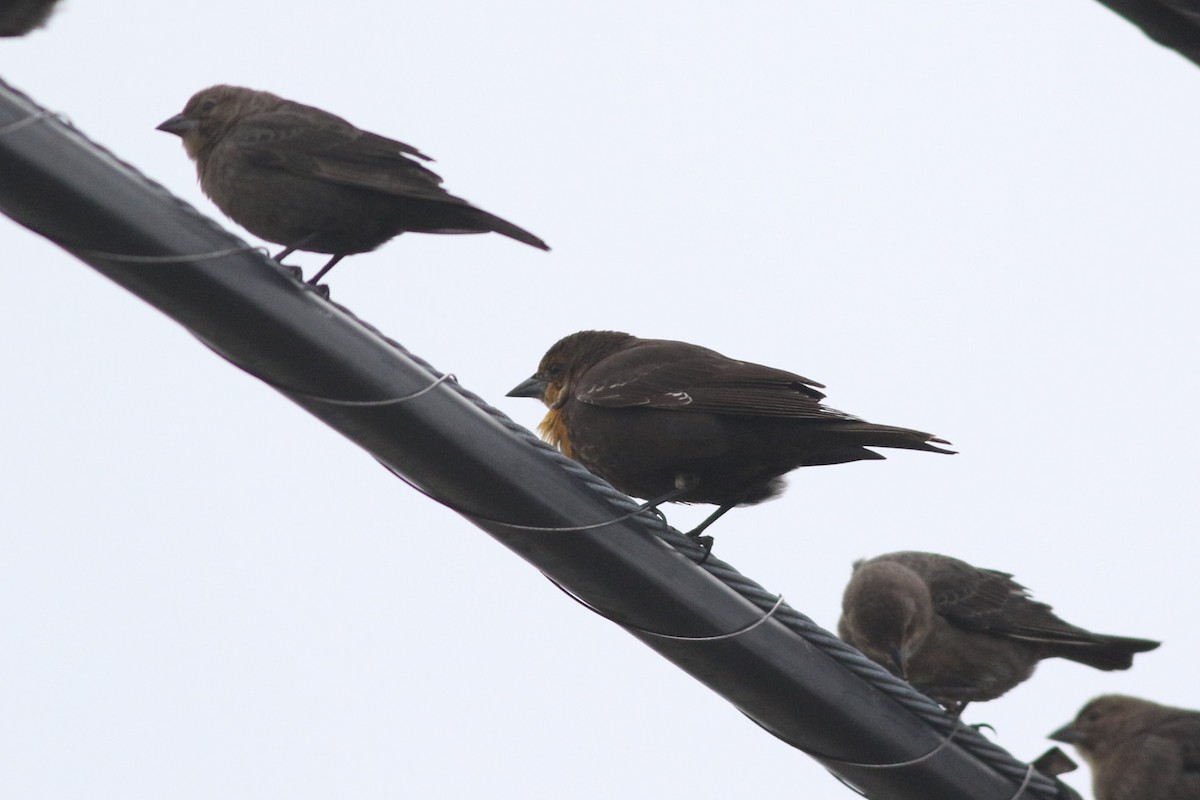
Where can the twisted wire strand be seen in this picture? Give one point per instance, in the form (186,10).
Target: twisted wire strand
(932,714)
(659,634)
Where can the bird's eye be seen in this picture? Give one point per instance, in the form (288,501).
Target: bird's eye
(555,370)
(207,106)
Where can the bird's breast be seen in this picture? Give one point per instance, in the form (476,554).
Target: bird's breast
(553,429)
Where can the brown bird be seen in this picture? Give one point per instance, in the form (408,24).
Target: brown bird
(301,177)
(673,421)
(960,633)
(1137,750)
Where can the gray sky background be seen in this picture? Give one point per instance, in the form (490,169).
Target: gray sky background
(971,218)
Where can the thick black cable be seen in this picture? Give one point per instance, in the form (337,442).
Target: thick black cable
(918,705)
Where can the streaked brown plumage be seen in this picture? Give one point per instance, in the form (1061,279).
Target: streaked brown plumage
(960,633)
(304,178)
(653,417)
(1137,750)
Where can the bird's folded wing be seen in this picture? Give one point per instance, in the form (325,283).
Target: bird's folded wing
(991,601)
(333,150)
(700,380)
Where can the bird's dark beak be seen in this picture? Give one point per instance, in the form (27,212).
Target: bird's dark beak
(533,387)
(178,125)
(1067,734)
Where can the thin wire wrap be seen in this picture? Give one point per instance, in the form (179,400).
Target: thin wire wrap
(337,401)
(24,122)
(476,517)
(898,764)
(674,637)
(1029,773)
(129,258)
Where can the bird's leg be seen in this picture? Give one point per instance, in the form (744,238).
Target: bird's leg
(653,505)
(281,255)
(328,266)
(695,532)
(707,541)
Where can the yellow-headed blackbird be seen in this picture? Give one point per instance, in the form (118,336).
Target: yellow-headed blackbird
(668,420)
(959,633)
(1137,750)
(304,178)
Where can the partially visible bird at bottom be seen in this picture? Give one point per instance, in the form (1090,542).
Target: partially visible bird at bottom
(309,180)
(19,17)
(960,633)
(670,421)
(1137,749)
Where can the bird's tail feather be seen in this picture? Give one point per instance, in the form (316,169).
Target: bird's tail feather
(506,228)
(1107,652)
(868,434)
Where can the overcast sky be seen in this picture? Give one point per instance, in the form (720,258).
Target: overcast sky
(976,219)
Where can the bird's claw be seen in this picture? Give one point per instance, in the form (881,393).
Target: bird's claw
(704,541)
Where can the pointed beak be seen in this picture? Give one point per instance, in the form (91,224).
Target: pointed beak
(1067,734)
(533,387)
(178,125)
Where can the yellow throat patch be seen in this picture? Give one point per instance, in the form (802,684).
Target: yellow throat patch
(552,427)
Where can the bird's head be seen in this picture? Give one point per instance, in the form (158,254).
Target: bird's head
(1105,721)
(889,612)
(558,374)
(565,362)
(211,112)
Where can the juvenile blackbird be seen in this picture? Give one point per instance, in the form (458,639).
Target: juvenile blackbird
(667,420)
(1137,750)
(308,180)
(960,633)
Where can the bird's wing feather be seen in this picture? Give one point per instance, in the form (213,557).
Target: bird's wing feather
(328,148)
(991,601)
(1184,731)
(669,375)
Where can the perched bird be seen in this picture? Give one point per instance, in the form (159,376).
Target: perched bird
(672,421)
(1137,750)
(308,180)
(19,17)
(959,633)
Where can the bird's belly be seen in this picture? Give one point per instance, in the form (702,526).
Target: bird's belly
(300,212)
(643,451)
(964,665)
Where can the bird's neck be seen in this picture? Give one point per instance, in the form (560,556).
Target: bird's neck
(554,430)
